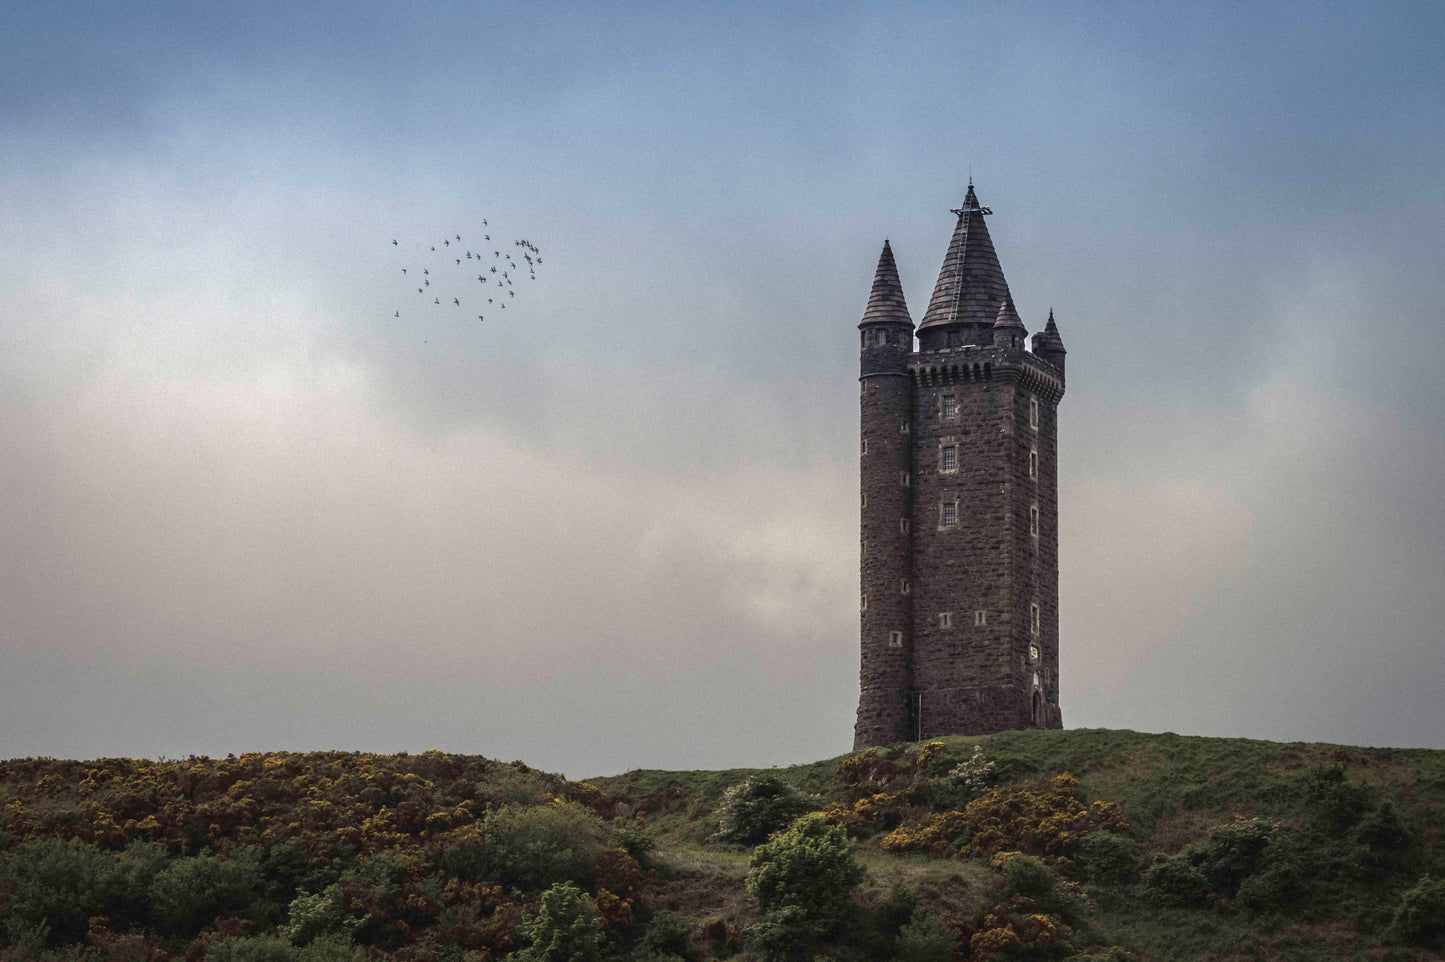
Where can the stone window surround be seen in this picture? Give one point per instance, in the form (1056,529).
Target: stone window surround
(948,518)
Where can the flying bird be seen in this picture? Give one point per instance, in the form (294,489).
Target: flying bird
(393,242)
(456,302)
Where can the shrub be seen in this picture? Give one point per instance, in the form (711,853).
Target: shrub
(565,929)
(1420,917)
(965,781)
(1333,804)
(60,886)
(1174,880)
(668,934)
(536,847)
(1107,858)
(896,910)
(810,867)
(925,939)
(191,892)
(313,916)
(1231,854)
(273,948)
(1044,816)
(784,935)
(757,807)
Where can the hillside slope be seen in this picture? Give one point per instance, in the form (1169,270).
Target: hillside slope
(1021,845)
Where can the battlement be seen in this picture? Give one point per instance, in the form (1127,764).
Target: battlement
(973,362)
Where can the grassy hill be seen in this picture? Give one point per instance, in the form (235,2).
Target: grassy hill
(1081,844)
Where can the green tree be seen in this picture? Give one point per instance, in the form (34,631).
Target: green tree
(809,867)
(565,929)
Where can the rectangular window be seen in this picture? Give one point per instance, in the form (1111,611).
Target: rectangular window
(1034,619)
(903,478)
(950,406)
(1034,463)
(903,525)
(895,639)
(1034,413)
(863,603)
(945,619)
(1034,520)
(980,618)
(865,446)
(948,514)
(949,459)
(904,427)
(903,586)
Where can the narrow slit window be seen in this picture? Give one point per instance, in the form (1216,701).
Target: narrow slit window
(1034,463)
(945,619)
(903,478)
(895,639)
(1034,413)
(865,446)
(863,603)
(980,618)
(1034,619)
(903,525)
(1034,520)
(903,587)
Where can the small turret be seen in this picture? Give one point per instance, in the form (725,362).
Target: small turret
(1008,330)
(887,330)
(1049,346)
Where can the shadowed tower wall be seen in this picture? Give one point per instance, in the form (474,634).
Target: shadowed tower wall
(959,486)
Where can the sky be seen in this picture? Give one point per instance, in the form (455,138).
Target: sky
(244,505)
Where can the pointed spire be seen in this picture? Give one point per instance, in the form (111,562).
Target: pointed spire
(885,303)
(1008,316)
(970,284)
(1048,345)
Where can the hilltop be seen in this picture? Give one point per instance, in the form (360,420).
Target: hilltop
(1021,845)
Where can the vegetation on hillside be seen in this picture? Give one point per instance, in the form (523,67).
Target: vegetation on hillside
(1030,845)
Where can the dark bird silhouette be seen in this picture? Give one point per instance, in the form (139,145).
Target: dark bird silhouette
(403,270)
(418,290)
(459,237)
(494,270)
(425,271)
(459,260)
(447,243)
(393,242)
(397,314)
(484,222)
(488,236)
(480,318)
(433,248)
(436,300)
(456,302)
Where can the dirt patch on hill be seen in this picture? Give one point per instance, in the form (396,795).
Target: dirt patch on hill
(1370,768)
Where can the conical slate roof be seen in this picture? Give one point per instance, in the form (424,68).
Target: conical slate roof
(885,303)
(1008,316)
(970,284)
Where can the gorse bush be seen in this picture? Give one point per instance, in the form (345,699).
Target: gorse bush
(1420,917)
(757,807)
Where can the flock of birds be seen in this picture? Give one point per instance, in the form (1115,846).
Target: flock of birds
(444,272)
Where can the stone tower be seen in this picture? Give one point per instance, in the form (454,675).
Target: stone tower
(959,477)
